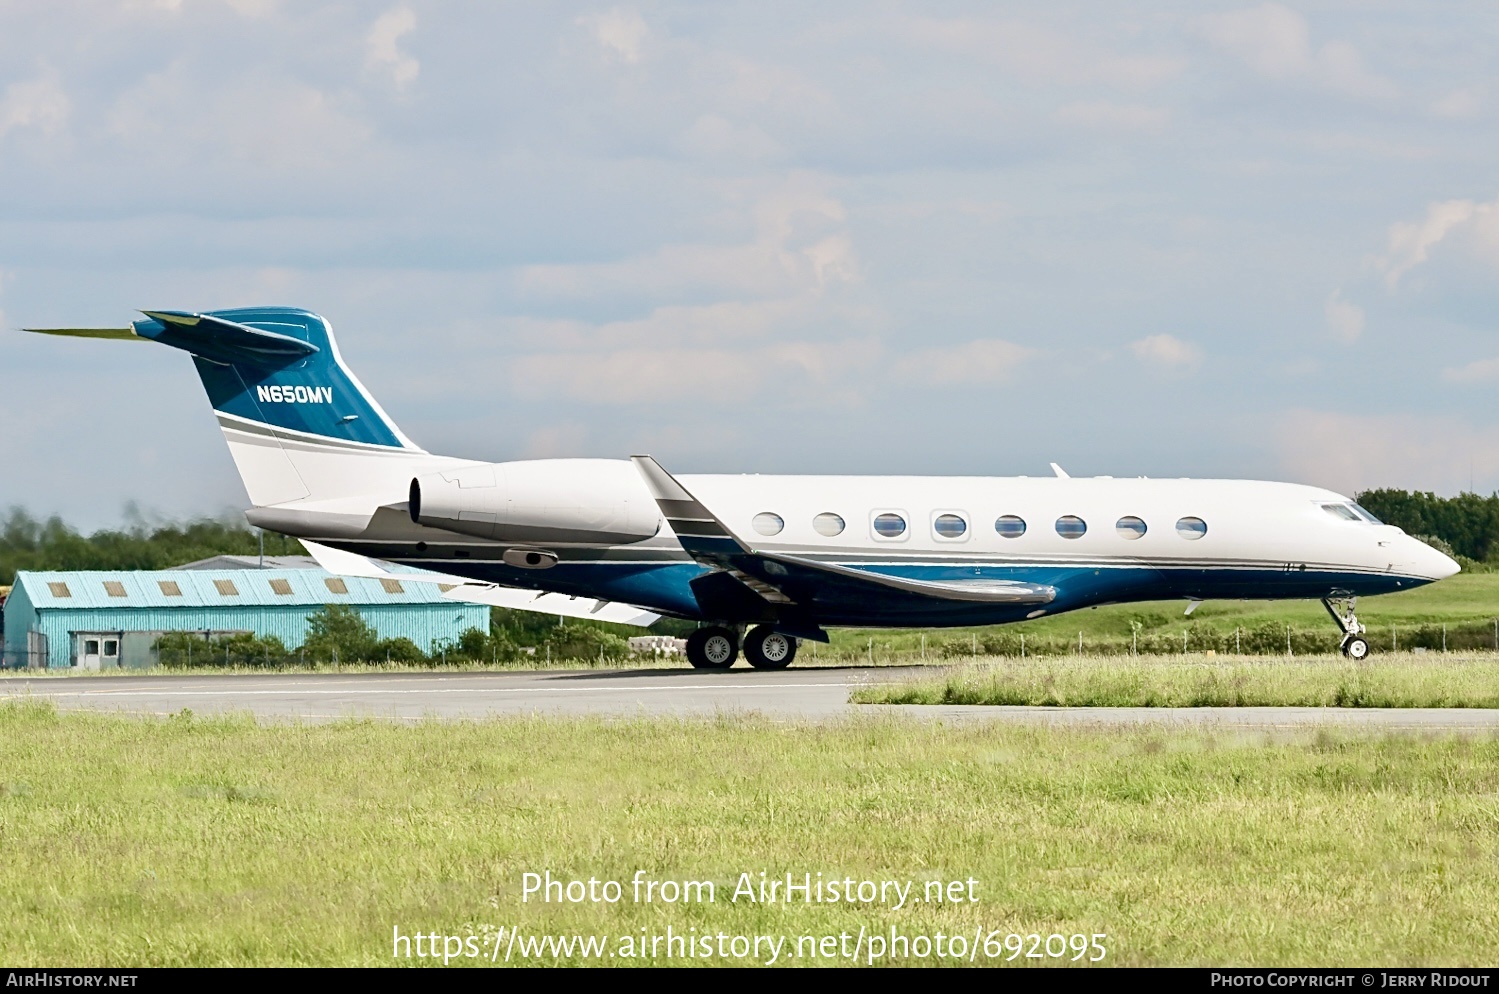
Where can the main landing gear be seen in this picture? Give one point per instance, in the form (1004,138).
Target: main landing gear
(1341,607)
(716,648)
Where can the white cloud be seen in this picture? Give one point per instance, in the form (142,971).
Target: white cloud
(1478,371)
(1344,318)
(1039,54)
(266,119)
(1411,242)
(672,375)
(1349,453)
(985,360)
(1461,103)
(1275,42)
(1123,118)
(620,32)
(799,245)
(36,103)
(382,46)
(1166,351)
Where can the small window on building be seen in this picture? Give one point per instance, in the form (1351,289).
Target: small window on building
(59,590)
(392,586)
(169,588)
(1009,526)
(1129,527)
(768,523)
(829,524)
(90,647)
(1191,528)
(111,647)
(226,588)
(282,587)
(336,585)
(1071,526)
(114,588)
(445,587)
(949,526)
(889,525)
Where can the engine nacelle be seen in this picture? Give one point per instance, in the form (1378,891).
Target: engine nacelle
(550,501)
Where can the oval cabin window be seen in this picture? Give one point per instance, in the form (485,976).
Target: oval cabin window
(949,526)
(1071,526)
(889,525)
(1191,528)
(829,524)
(1010,526)
(767,523)
(1129,527)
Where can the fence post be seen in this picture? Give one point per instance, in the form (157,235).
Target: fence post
(1288,640)
(1444,638)
(973,636)
(1238,649)
(923,645)
(1079,643)
(1022,645)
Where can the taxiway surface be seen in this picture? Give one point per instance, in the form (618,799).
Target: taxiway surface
(790,695)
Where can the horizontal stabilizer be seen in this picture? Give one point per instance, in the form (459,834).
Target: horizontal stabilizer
(122,334)
(471,591)
(219,340)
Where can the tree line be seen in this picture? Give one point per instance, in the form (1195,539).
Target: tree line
(1467,524)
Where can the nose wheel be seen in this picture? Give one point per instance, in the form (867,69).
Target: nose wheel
(1341,608)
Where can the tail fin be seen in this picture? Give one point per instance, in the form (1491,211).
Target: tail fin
(299,424)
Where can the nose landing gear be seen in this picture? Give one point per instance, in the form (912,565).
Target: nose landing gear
(1341,608)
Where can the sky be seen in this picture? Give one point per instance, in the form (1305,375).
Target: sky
(1165,239)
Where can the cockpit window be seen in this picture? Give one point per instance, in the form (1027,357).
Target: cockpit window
(1342,512)
(1365,515)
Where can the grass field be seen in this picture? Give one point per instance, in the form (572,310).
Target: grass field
(1408,681)
(217,842)
(1468,604)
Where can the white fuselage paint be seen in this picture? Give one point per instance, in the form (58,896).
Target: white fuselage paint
(1248,523)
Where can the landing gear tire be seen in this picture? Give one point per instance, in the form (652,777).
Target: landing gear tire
(1356,648)
(767,649)
(712,648)
(1340,605)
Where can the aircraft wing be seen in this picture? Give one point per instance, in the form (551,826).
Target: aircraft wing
(460,588)
(787,579)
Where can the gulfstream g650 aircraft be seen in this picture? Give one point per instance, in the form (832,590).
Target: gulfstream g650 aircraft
(782,556)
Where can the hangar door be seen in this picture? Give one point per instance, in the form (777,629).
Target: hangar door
(96,650)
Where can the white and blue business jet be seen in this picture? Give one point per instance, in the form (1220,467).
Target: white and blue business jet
(761,562)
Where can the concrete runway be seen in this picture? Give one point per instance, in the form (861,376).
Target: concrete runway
(791,695)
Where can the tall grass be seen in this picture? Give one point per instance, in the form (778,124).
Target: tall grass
(1200,681)
(222,842)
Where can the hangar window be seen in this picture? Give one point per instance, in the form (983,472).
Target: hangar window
(889,525)
(169,588)
(1071,526)
(829,524)
(282,587)
(114,588)
(768,523)
(949,526)
(59,590)
(226,588)
(445,587)
(1009,526)
(336,585)
(1191,528)
(1129,527)
(392,586)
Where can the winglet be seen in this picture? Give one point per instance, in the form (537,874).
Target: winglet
(699,530)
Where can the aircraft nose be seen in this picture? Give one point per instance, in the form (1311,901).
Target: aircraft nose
(1424,561)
